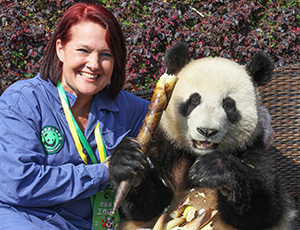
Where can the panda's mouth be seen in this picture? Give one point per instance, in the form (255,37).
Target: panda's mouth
(204,145)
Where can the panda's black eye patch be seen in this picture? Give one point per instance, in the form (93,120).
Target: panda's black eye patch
(185,108)
(230,110)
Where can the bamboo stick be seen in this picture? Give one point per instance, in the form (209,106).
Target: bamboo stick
(159,101)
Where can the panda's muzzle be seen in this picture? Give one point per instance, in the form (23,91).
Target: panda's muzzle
(204,145)
(207,133)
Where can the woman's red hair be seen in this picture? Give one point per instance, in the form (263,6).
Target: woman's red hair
(51,66)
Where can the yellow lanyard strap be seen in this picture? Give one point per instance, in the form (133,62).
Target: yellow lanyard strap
(75,130)
(100,144)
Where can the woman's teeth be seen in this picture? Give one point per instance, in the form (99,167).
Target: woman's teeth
(89,76)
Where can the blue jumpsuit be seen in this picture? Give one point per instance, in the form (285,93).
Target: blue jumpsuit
(44,183)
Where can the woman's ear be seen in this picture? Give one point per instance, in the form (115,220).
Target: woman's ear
(60,50)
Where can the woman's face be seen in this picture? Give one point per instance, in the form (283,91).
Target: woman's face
(87,61)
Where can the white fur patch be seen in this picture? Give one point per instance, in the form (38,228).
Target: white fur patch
(213,79)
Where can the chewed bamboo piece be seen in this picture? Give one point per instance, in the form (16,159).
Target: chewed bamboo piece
(197,211)
(160,222)
(194,213)
(159,101)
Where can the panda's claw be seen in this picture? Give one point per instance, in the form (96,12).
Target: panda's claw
(142,167)
(134,140)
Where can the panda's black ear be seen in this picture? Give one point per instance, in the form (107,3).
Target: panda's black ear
(260,68)
(176,58)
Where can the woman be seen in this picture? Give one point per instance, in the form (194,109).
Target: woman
(47,180)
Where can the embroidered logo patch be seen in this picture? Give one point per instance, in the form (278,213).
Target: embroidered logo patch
(52,139)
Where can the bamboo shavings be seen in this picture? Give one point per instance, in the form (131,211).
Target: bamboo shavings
(194,213)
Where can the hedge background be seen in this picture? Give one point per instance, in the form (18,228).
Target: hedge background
(231,29)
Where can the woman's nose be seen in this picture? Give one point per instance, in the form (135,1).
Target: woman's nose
(93,62)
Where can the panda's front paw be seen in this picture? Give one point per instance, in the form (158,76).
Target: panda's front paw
(126,162)
(211,171)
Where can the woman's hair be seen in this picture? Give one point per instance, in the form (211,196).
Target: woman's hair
(51,66)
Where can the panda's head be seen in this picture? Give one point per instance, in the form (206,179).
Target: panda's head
(214,104)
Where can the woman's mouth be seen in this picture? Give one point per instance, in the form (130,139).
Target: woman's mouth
(89,76)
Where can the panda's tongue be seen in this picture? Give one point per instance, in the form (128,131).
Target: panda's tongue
(204,144)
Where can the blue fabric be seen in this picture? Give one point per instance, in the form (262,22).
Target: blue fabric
(53,191)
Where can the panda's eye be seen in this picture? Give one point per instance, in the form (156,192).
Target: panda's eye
(228,103)
(187,107)
(195,99)
(230,110)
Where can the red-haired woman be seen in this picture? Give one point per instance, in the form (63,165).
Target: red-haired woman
(53,127)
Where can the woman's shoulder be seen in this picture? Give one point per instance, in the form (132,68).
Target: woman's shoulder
(132,97)
(124,99)
(132,102)
(24,92)
(25,85)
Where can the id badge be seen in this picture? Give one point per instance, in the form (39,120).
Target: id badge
(102,218)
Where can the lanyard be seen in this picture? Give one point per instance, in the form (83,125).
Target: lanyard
(78,137)
(103,199)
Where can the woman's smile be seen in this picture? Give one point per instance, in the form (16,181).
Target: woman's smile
(88,75)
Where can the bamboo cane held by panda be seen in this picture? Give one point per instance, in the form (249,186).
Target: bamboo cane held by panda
(159,101)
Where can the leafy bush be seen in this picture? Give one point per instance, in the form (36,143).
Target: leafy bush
(25,31)
(230,29)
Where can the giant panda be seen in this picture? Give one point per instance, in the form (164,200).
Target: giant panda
(209,137)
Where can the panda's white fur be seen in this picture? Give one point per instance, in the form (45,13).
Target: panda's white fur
(214,79)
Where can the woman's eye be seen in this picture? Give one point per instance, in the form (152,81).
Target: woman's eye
(83,50)
(106,54)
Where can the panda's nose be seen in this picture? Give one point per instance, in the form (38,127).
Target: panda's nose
(207,132)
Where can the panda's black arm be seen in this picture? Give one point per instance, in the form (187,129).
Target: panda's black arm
(256,200)
(249,194)
(150,198)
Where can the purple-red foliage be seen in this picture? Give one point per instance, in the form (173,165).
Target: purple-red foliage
(230,29)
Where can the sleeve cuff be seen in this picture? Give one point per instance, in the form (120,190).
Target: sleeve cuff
(100,175)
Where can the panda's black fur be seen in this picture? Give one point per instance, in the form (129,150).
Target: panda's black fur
(249,194)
